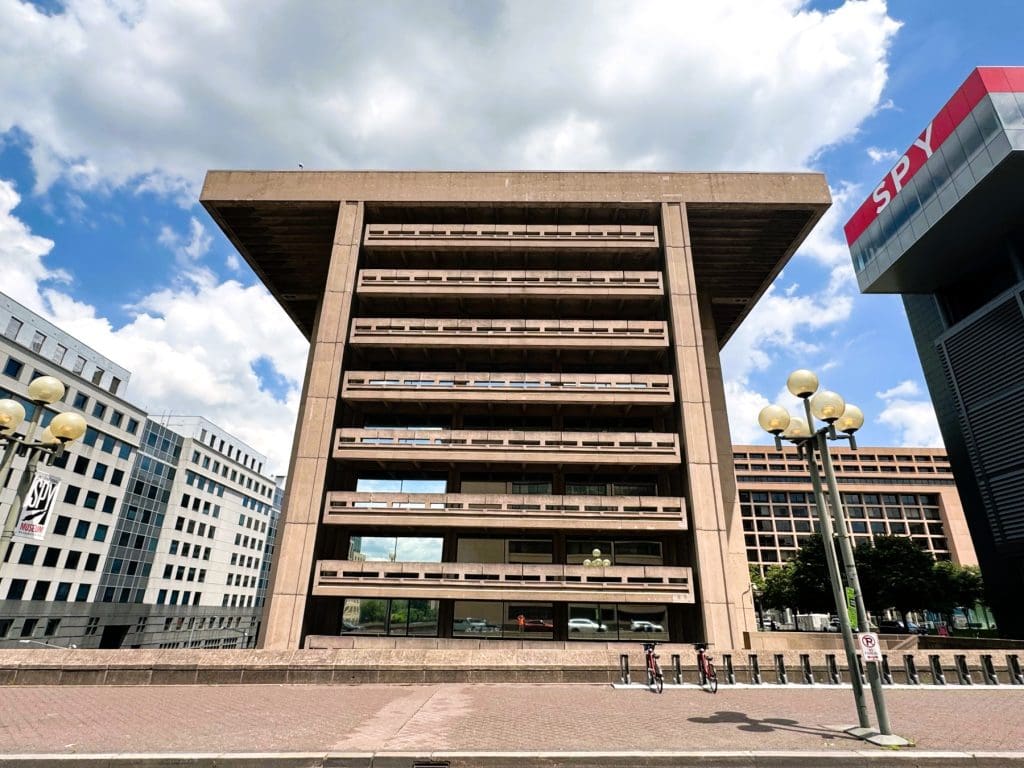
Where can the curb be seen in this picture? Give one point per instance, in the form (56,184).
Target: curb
(637,759)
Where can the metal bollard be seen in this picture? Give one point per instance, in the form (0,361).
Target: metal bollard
(805,666)
(988,669)
(1013,667)
(963,672)
(730,672)
(677,670)
(911,666)
(755,669)
(624,668)
(834,675)
(886,672)
(780,669)
(860,670)
(938,678)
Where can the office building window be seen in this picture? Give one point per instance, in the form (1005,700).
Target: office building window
(101,533)
(17,589)
(79,364)
(58,354)
(83,593)
(97,375)
(28,554)
(60,527)
(51,557)
(99,410)
(81,400)
(115,384)
(81,465)
(116,417)
(40,590)
(13,328)
(38,339)
(13,368)
(82,529)
(63,592)
(72,559)
(71,494)
(133,426)
(117,477)
(91,499)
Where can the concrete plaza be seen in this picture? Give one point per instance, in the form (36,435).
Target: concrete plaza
(497,724)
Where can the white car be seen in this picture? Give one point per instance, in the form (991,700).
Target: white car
(645,626)
(586,625)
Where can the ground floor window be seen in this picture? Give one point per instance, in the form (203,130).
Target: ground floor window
(395,618)
(508,620)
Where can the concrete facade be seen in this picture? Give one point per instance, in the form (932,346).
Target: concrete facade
(506,371)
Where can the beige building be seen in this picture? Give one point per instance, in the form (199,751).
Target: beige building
(886,492)
(506,372)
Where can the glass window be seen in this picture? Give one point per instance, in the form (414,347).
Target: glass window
(133,426)
(592,621)
(13,328)
(28,554)
(115,384)
(401,549)
(97,375)
(58,354)
(13,368)
(82,529)
(38,339)
(79,364)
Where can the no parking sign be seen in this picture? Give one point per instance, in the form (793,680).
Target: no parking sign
(869,647)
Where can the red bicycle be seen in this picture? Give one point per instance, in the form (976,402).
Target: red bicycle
(706,668)
(654,677)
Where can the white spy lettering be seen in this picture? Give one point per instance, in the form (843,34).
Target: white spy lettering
(883,194)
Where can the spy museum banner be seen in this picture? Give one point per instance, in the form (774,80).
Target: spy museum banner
(35,511)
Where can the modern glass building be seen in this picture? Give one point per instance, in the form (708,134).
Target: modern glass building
(945,228)
(509,371)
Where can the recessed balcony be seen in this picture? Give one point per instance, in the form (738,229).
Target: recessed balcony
(479,581)
(503,511)
(463,387)
(459,284)
(392,332)
(509,236)
(632,448)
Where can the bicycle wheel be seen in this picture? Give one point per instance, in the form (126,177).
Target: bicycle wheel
(712,678)
(659,679)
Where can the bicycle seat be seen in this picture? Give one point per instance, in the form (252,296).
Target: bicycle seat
(649,645)
(701,646)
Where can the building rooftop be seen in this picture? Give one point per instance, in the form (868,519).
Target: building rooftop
(743,226)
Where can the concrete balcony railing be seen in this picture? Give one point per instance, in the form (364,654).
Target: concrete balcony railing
(456,283)
(434,332)
(534,511)
(477,581)
(509,236)
(648,448)
(625,388)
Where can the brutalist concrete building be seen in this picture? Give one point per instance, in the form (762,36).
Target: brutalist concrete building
(507,372)
(945,228)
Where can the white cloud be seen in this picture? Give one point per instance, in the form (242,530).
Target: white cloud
(187,251)
(154,97)
(908,388)
(912,421)
(190,347)
(882,155)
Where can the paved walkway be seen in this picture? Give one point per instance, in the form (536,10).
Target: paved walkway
(487,718)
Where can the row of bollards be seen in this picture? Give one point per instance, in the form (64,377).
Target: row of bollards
(833,674)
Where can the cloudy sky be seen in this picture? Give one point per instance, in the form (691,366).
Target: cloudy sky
(111,111)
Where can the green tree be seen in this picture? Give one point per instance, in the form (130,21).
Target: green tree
(895,572)
(811,591)
(778,587)
(955,586)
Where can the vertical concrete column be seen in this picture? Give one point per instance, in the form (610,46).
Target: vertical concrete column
(314,433)
(720,565)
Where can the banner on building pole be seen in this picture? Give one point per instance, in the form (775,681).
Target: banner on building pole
(36,507)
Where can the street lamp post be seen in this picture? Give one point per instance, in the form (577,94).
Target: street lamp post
(64,428)
(830,408)
(597,561)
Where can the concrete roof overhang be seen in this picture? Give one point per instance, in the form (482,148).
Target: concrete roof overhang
(743,226)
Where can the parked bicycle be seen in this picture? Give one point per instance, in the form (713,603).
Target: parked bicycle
(706,667)
(655,679)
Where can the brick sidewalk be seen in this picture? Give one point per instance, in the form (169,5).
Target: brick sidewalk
(485,717)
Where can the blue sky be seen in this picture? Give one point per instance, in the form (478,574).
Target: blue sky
(110,113)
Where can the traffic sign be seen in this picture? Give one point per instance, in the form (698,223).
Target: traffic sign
(869,647)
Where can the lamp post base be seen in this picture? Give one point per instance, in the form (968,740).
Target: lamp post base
(872,736)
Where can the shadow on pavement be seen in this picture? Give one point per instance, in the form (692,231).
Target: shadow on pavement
(744,722)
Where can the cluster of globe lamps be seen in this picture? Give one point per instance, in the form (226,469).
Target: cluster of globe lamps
(62,429)
(826,406)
